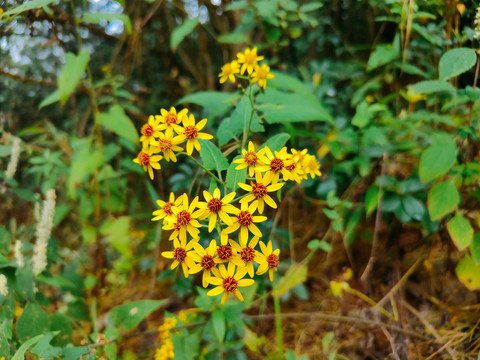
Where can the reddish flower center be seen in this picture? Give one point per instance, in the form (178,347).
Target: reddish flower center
(176,226)
(224,252)
(147,130)
(179,254)
(143,158)
(259,190)
(291,167)
(214,205)
(276,165)
(170,118)
(230,284)
(247,254)
(272,261)
(165,144)
(207,262)
(183,218)
(191,132)
(167,208)
(245,218)
(250,158)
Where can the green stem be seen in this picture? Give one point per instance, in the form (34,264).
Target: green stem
(203,167)
(246,130)
(278,324)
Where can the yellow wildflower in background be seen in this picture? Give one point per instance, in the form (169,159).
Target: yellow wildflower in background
(184,220)
(204,259)
(181,255)
(250,159)
(295,169)
(261,74)
(149,131)
(259,191)
(215,206)
(170,120)
(248,59)
(275,164)
(245,220)
(166,207)
(228,282)
(167,144)
(269,261)
(165,352)
(248,254)
(192,133)
(311,166)
(148,161)
(228,71)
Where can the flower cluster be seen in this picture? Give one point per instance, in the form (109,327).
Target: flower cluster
(165,352)
(247,62)
(162,135)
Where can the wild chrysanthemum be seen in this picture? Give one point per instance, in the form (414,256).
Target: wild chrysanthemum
(248,254)
(228,282)
(295,170)
(269,260)
(181,255)
(248,59)
(275,164)
(250,159)
(204,258)
(166,207)
(167,144)
(184,219)
(216,206)
(311,166)
(228,71)
(225,252)
(261,74)
(192,133)
(170,121)
(259,191)
(148,161)
(149,131)
(245,220)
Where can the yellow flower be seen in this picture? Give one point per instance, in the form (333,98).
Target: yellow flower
(311,166)
(248,59)
(225,253)
(215,206)
(259,191)
(275,164)
(167,144)
(148,161)
(170,120)
(229,282)
(149,131)
(192,132)
(269,261)
(245,220)
(295,170)
(228,71)
(166,207)
(261,74)
(181,255)
(184,220)
(204,259)
(248,254)
(250,159)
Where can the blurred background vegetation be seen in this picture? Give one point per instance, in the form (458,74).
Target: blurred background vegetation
(394,228)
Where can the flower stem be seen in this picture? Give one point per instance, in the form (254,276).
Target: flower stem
(203,167)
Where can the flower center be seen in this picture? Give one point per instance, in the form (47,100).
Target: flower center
(292,166)
(214,205)
(176,226)
(250,158)
(262,72)
(251,57)
(276,165)
(247,254)
(183,218)
(191,132)
(143,158)
(165,145)
(179,254)
(147,130)
(245,218)
(259,190)
(170,118)
(272,261)
(207,262)
(167,208)
(224,252)
(230,284)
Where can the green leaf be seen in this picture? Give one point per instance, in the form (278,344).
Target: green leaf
(352,223)
(383,54)
(455,62)
(310,6)
(71,74)
(233,38)
(221,102)
(118,235)
(438,158)
(371,199)
(96,18)
(116,121)
(212,157)
(235,176)
(20,354)
(128,316)
(296,274)
(276,142)
(50,99)
(219,325)
(431,86)
(44,350)
(74,352)
(460,231)
(29,5)
(25,283)
(181,31)
(413,207)
(33,321)
(469,273)
(443,198)
(475,248)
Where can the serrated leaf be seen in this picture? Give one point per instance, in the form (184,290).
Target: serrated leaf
(460,231)
(71,73)
(438,158)
(455,62)
(212,157)
(469,273)
(443,198)
(235,176)
(118,122)
(276,142)
(98,17)
(182,31)
(33,321)
(129,315)
(219,324)
(296,274)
